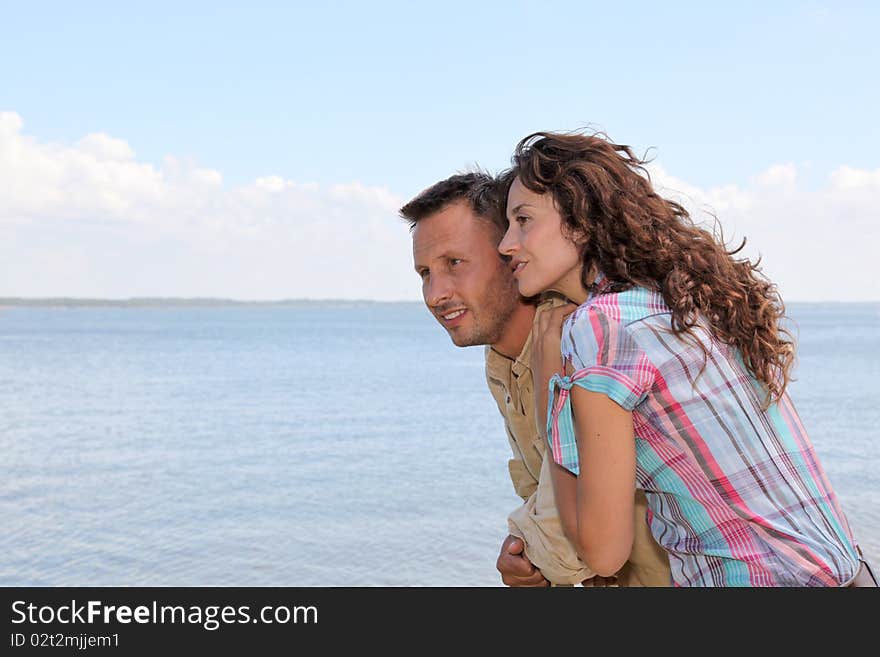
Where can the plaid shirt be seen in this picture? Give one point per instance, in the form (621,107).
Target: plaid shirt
(736,494)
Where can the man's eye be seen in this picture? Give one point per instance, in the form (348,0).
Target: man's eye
(521,219)
(422,273)
(455,261)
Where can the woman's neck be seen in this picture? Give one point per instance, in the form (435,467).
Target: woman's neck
(572,287)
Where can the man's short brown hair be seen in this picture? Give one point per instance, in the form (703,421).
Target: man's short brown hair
(480,190)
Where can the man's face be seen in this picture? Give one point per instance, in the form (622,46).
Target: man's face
(466,284)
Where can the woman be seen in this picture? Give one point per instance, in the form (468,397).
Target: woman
(675,380)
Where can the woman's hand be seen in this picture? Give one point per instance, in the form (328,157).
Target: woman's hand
(547,357)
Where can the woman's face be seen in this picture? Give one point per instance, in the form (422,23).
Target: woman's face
(542,258)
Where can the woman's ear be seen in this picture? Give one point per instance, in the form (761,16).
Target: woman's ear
(577,235)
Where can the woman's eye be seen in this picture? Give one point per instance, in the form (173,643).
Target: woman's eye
(521,219)
(454,261)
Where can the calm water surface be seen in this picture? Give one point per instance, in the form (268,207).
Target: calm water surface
(334,444)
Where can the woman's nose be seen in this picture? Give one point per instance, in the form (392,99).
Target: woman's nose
(509,244)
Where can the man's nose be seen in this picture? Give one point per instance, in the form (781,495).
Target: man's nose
(509,244)
(438,290)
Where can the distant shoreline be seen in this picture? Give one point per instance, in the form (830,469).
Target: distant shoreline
(209,302)
(172,302)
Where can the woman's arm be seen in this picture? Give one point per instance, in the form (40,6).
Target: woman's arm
(606,484)
(596,508)
(565,496)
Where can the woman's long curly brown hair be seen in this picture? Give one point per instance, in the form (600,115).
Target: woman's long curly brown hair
(635,237)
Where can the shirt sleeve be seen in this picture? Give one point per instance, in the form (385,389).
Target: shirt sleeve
(605,359)
(536,521)
(538,524)
(524,482)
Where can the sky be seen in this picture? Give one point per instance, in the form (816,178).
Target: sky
(261,150)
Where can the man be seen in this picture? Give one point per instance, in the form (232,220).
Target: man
(469,288)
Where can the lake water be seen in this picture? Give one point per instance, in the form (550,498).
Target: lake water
(331,444)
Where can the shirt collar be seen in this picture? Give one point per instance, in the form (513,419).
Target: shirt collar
(517,365)
(523,361)
(601,285)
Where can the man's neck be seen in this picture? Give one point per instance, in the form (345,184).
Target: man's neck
(517,331)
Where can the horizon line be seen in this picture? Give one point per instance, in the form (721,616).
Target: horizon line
(198,300)
(227,301)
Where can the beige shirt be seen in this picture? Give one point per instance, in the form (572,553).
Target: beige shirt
(537,521)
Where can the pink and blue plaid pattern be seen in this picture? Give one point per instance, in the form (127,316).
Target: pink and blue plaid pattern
(736,494)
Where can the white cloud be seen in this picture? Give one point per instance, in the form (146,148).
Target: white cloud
(779,175)
(102,147)
(90,220)
(847,178)
(816,244)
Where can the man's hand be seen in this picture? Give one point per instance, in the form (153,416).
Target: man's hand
(515,568)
